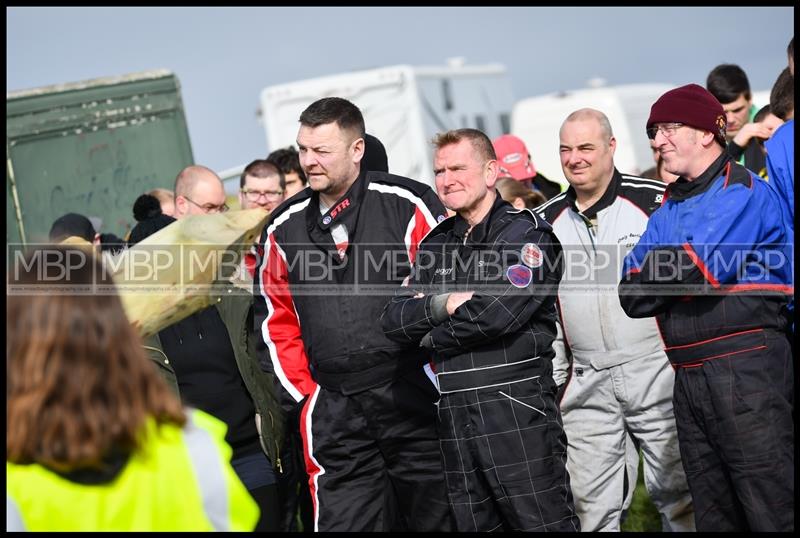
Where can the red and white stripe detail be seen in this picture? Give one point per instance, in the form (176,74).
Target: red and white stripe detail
(421,222)
(313,468)
(293,371)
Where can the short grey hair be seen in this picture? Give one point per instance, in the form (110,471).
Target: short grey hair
(590,113)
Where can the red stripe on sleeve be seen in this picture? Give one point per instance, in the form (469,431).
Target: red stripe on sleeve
(281,330)
(421,229)
(700,265)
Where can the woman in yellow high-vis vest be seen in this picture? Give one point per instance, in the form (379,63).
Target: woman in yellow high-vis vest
(95,440)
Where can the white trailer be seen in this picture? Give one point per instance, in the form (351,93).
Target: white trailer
(537,120)
(404,106)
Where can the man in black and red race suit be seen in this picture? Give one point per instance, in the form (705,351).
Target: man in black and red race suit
(331,254)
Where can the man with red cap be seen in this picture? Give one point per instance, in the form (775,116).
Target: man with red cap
(515,162)
(714,267)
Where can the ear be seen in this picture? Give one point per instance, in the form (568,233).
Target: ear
(707,139)
(612,145)
(490,173)
(518,203)
(357,147)
(180,205)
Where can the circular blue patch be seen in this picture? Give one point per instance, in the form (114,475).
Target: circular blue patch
(326,220)
(440,218)
(519,276)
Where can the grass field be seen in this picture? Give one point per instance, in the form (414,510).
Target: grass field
(642,515)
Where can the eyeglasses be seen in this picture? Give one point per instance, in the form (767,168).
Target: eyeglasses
(667,129)
(210,208)
(254,195)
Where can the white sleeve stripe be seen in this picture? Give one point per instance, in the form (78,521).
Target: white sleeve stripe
(634,185)
(208,469)
(283,217)
(645,180)
(273,351)
(550,202)
(410,230)
(14,522)
(404,193)
(310,453)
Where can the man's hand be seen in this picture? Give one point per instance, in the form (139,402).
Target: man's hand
(454,300)
(762,130)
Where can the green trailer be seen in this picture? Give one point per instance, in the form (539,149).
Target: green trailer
(91,147)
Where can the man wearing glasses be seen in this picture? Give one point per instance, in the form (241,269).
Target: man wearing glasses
(198,191)
(212,354)
(262,185)
(714,268)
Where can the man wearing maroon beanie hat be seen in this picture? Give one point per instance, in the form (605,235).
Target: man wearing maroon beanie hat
(714,266)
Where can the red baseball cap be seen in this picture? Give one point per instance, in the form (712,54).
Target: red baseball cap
(513,158)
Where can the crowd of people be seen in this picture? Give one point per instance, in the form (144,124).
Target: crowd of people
(492,353)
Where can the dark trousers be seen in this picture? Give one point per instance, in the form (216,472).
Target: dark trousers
(736,432)
(505,454)
(295,500)
(373,458)
(267,499)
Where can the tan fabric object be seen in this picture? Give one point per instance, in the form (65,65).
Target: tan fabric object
(171,274)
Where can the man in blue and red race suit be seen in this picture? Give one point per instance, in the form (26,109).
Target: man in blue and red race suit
(714,267)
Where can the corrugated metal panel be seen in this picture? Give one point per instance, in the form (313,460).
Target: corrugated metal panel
(91,147)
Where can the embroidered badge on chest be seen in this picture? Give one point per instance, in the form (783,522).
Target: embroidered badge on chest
(531,255)
(519,276)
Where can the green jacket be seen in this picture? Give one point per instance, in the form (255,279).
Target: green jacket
(234,308)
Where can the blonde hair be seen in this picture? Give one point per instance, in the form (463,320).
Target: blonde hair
(480,142)
(162,195)
(510,189)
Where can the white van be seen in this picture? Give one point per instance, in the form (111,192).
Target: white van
(536,120)
(404,106)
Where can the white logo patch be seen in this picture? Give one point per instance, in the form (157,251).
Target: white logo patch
(532,255)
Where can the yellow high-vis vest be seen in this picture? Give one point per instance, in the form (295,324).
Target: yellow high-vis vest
(181,480)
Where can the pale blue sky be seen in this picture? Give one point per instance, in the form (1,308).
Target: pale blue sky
(225,56)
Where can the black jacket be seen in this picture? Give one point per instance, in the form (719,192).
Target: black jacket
(235,310)
(318,314)
(754,158)
(547,187)
(512,261)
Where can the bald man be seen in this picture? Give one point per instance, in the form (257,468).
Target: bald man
(615,377)
(214,366)
(198,191)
